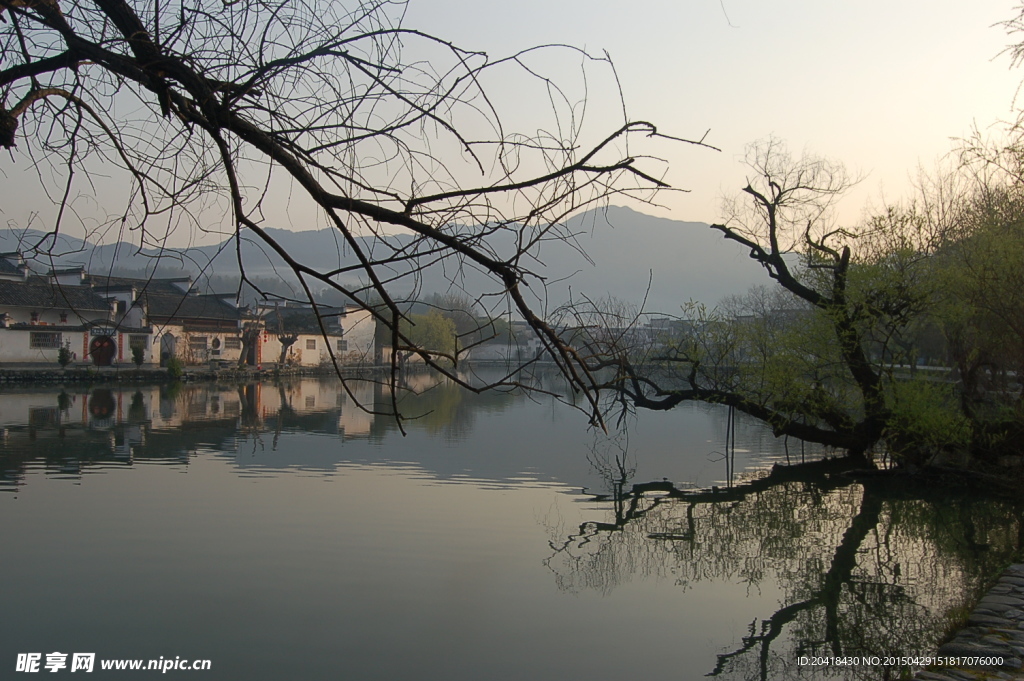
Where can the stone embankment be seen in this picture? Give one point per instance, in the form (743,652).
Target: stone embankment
(89,375)
(994,629)
(30,375)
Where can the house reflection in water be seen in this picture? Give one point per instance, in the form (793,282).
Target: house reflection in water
(66,431)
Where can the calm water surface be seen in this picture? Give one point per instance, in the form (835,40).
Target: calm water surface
(283,533)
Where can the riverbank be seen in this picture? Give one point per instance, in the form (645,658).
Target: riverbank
(995,628)
(48,375)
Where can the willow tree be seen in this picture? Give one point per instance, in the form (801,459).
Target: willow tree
(208,108)
(980,315)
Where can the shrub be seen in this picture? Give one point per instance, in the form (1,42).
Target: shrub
(64,356)
(175,368)
(138,356)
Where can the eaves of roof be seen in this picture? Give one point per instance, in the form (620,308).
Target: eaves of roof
(41,294)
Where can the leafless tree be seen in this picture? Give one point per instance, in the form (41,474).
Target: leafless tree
(214,108)
(251,331)
(810,371)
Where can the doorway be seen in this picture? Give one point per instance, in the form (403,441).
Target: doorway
(168,348)
(102,349)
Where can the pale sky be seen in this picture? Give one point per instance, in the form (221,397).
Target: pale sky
(882,86)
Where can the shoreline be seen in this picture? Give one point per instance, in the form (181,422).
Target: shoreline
(995,628)
(24,376)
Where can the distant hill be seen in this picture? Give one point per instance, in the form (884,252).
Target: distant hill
(682,260)
(629,250)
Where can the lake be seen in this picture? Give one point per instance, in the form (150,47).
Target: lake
(281,532)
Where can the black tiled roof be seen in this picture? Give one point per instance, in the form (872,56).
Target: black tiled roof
(303,320)
(185,307)
(152,286)
(163,298)
(166,300)
(40,293)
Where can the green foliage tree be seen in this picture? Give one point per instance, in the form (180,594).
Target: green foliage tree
(980,272)
(979,291)
(431,334)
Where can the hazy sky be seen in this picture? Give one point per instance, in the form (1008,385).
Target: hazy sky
(882,86)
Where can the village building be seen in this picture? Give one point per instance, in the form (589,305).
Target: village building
(192,327)
(39,316)
(320,337)
(106,320)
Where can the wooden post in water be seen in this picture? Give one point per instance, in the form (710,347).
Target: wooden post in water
(730,446)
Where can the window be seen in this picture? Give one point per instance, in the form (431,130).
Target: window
(63,317)
(35,317)
(311,343)
(44,340)
(43,416)
(197,342)
(310,401)
(232,343)
(138,341)
(342,345)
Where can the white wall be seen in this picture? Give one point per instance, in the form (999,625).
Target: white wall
(298,354)
(359,329)
(190,355)
(14,345)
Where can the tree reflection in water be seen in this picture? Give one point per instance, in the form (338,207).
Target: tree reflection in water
(868,567)
(862,566)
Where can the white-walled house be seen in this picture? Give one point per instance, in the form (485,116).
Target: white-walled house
(101,320)
(192,327)
(40,315)
(349,337)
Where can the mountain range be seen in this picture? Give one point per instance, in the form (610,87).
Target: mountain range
(632,256)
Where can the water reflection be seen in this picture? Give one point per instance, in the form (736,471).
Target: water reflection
(75,428)
(804,561)
(452,433)
(864,568)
